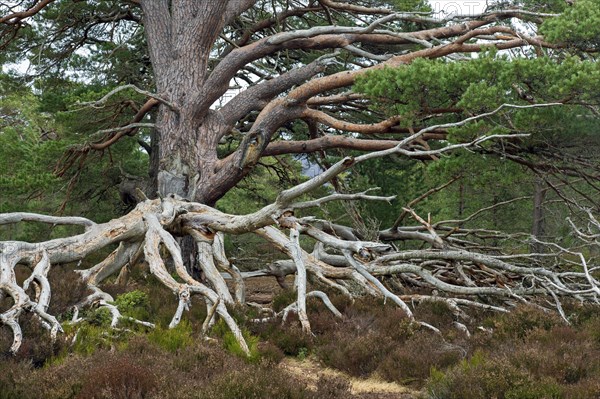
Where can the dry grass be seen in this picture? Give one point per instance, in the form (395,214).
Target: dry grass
(309,371)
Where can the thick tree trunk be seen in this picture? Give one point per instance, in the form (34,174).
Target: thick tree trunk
(184,161)
(152,187)
(180,36)
(188,165)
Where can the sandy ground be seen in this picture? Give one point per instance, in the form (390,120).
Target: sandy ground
(262,289)
(310,370)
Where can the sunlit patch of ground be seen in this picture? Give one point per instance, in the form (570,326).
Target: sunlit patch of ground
(309,371)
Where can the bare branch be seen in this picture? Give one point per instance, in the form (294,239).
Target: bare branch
(101,102)
(420,198)
(354,8)
(386,293)
(437,240)
(480,211)
(296,255)
(325,143)
(17,217)
(126,128)
(341,197)
(325,30)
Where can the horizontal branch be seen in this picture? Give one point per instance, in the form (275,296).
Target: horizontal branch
(325,143)
(218,81)
(335,99)
(99,103)
(480,211)
(256,97)
(415,201)
(347,78)
(125,130)
(384,126)
(17,217)
(327,30)
(362,53)
(487,260)
(445,126)
(341,197)
(16,17)
(353,8)
(126,127)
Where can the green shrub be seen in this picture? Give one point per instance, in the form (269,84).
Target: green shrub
(283,299)
(483,377)
(519,322)
(411,362)
(91,337)
(231,344)
(134,303)
(544,389)
(172,339)
(100,317)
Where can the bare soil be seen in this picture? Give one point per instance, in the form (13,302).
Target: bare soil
(309,371)
(263,289)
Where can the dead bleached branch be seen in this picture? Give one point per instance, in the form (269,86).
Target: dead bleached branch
(466,276)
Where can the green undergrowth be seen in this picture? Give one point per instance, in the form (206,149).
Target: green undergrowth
(144,369)
(528,353)
(173,339)
(230,343)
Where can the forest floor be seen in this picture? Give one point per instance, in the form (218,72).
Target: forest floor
(263,289)
(373,352)
(308,370)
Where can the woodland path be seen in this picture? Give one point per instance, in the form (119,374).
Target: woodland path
(309,371)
